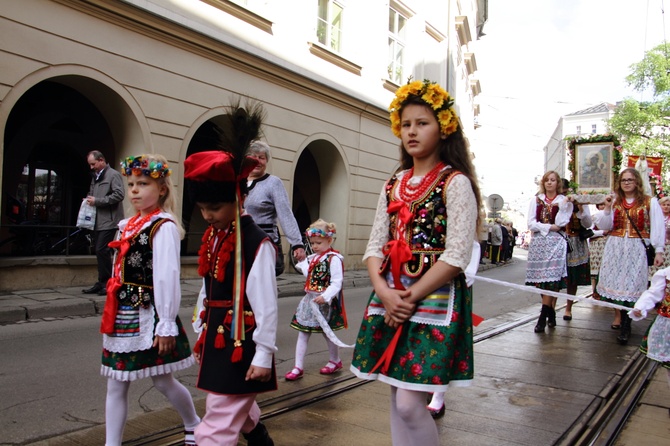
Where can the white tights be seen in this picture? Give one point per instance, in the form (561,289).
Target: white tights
(116,405)
(411,423)
(301,349)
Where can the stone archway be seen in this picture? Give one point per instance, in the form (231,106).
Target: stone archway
(49,122)
(321,186)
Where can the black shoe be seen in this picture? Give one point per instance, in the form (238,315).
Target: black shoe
(259,436)
(551,317)
(94,289)
(542,321)
(102,292)
(625,328)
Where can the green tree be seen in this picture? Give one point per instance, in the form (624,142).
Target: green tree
(644,127)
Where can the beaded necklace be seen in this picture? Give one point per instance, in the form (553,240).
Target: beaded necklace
(409,193)
(135,223)
(625,204)
(215,255)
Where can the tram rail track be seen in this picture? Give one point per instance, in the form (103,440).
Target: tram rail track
(599,424)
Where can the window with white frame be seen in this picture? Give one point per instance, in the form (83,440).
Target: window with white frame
(579,129)
(329,24)
(397,24)
(593,129)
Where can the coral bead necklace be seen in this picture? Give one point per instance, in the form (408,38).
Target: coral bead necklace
(410,193)
(135,223)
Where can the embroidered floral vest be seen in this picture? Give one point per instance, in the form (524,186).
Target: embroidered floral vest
(137,274)
(318,278)
(640,215)
(544,212)
(427,231)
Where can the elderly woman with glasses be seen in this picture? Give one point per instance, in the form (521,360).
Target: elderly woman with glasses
(635,220)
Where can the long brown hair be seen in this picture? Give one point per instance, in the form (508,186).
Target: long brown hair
(639,190)
(453,151)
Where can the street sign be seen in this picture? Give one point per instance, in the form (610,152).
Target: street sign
(494,215)
(495,202)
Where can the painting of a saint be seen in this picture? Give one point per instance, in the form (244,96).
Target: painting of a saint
(594,167)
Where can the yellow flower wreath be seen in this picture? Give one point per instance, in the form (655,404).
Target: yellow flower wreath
(434,96)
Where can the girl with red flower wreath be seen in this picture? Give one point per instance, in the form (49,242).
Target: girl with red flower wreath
(420,244)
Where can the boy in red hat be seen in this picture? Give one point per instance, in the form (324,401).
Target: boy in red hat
(236,313)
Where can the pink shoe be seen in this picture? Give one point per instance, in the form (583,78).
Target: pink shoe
(330,368)
(294,374)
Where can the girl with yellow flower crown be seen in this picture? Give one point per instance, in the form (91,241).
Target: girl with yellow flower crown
(416,334)
(142,334)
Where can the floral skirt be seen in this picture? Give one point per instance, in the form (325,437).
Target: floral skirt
(596,247)
(427,357)
(579,275)
(130,366)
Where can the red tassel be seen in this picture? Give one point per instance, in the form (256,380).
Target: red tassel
(229,317)
(237,352)
(219,341)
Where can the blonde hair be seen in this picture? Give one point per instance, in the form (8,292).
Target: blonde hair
(167,202)
(321,228)
(663,200)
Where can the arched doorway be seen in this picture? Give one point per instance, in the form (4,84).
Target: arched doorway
(53,119)
(47,136)
(205,138)
(321,187)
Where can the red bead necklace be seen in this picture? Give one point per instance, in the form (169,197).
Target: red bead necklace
(214,259)
(409,193)
(135,224)
(625,204)
(549,200)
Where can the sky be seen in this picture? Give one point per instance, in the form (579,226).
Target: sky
(541,59)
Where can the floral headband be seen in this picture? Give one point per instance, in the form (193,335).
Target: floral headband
(316,232)
(140,165)
(434,96)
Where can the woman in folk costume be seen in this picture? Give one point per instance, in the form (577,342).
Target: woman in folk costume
(416,334)
(635,220)
(142,334)
(548,213)
(236,313)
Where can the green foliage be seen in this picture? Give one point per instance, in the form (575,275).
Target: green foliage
(644,127)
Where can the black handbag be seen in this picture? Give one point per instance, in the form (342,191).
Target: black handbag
(585,233)
(650,250)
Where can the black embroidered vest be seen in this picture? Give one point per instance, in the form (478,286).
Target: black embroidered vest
(427,231)
(137,273)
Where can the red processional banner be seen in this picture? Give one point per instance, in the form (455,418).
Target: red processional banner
(654,162)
